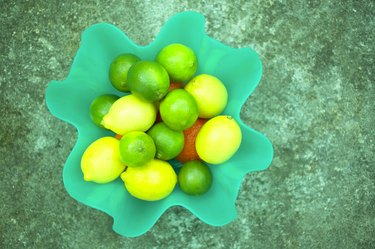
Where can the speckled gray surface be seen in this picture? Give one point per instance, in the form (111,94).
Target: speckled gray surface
(315,103)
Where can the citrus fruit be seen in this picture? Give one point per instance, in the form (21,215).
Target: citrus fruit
(118,70)
(149,80)
(117,136)
(130,113)
(100,162)
(179,60)
(195,178)
(218,140)
(136,149)
(178,110)
(151,182)
(100,106)
(175,85)
(169,143)
(189,152)
(209,93)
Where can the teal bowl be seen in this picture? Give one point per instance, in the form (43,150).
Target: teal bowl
(69,100)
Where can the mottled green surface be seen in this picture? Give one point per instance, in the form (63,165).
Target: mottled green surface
(315,103)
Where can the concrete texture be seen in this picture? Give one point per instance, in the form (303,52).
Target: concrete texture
(315,103)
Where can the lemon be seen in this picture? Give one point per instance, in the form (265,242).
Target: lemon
(179,60)
(218,139)
(100,162)
(136,148)
(150,182)
(210,94)
(130,113)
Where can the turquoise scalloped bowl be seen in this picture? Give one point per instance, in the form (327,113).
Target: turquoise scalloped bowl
(69,100)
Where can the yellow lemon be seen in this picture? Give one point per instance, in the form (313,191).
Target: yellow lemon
(210,94)
(100,162)
(218,139)
(130,113)
(151,182)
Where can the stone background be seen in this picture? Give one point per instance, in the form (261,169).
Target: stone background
(315,103)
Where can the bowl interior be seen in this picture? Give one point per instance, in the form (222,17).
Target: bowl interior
(239,69)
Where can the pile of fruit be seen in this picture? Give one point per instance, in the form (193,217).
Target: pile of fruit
(167,113)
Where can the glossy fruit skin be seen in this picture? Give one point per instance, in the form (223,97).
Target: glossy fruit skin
(189,151)
(136,149)
(179,60)
(210,94)
(100,161)
(141,113)
(150,182)
(100,106)
(195,178)
(169,143)
(178,110)
(219,139)
(149,80)
(118,70)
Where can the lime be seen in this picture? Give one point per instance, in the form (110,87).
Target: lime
(136,149)
(100,162)
(151,182)
(169,143)
(100,106)
(218,139)
(178,110)
(118,70)
(179,60)
(195,178)
(149,80)
(209,93)
(130,113)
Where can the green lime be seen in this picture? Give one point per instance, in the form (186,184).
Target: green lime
(152,181)
(149,80)
(179,60)
(195,178)
(100,162)
(136,149)
(169,143)
(178,110)
(118,70)
(100,106)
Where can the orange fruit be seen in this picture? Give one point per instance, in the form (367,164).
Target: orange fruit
(189,151)
(175,85)
(118,136)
